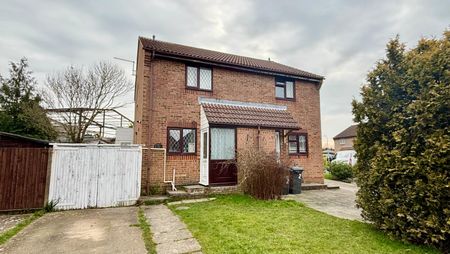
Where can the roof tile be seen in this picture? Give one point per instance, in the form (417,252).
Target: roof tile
(249,116)
(350,132)
(224,58)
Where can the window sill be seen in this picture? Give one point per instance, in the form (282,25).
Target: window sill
(181,154)
(285,99)
(198,89)
(298,154)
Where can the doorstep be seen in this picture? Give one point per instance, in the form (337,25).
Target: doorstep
(314,186)
(193,191)
(200,190)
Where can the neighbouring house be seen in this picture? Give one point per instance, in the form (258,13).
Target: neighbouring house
(195,108)
(345,139)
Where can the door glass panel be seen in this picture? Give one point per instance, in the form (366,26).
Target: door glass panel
(277,144)
(222,144)
(205,145)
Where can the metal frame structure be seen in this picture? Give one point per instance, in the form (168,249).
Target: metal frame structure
(103,126)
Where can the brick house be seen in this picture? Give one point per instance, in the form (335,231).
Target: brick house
(196,107)
(345,139)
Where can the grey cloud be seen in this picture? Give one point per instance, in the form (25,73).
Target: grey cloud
(339,39)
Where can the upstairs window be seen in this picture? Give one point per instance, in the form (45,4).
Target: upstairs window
(181,141)
(298,144)
(284,89)
(199,78)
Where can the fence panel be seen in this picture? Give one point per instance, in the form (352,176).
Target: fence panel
(84,176)
(23,177)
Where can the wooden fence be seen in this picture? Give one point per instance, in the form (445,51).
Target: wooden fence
(23,177)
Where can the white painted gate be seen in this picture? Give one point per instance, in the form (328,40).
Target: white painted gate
(84,176)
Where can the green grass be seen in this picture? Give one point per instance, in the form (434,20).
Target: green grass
(5,236)
(146,233)
(240,224)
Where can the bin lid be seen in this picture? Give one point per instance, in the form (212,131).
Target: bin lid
(297,169)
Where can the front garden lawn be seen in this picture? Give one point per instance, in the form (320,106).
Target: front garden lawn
(241,224)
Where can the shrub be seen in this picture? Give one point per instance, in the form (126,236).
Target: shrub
(403,138)
(326,163)
(341,171)
(261,175)
(327,175)
(50,206)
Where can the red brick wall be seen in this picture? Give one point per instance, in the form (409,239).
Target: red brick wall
(247,139)
(163,101)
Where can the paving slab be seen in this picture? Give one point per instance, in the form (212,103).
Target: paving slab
(190,201)
(170,233)
(337,202)
(80,231)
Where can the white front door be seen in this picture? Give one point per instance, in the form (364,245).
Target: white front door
(204,156)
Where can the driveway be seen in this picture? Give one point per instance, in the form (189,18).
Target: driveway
(81,231)
(338,202)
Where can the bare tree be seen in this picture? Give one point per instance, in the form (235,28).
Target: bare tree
(80,95)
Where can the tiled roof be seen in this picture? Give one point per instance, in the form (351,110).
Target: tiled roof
(223,58)
(350,132)
(235,115)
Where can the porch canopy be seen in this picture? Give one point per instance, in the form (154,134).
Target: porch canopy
(243,114)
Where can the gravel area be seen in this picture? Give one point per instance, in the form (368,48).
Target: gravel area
(8,221)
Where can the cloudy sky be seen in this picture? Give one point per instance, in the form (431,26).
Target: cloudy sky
(338,39)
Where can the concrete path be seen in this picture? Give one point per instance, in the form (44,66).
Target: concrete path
(169,233)
(340,202)
(81,231)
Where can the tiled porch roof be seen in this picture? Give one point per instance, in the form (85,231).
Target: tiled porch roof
(251,116)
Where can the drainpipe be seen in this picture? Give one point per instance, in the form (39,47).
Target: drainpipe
(147,184)
(258,138)
(164,168)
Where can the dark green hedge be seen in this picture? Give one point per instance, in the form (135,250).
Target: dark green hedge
(403,143)
(341,171)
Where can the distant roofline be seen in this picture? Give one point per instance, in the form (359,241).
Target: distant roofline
(343,133)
